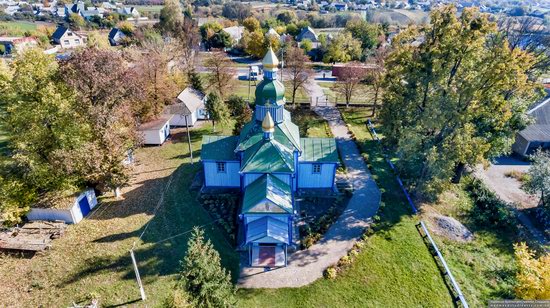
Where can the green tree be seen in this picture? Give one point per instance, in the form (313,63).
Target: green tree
(240,111)
(539,182)
(76,20)
(202,276)
(195,80)
(343,48)
(441,97)
(170,16)
(364,31)
(217,110)
(306,45)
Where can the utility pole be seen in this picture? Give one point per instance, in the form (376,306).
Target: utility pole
(282,62)
(249,76)
(189,140)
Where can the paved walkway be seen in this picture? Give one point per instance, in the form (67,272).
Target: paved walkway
(306,266)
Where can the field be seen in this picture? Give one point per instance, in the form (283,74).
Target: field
(362,95)
(398,17)
(17,26)
(485,267)
(149,8)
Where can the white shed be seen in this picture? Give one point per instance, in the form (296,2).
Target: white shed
(74,212)
(191,105)
(155,132)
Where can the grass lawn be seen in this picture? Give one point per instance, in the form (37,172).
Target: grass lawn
(17,26)
(92,259)
(362,95)
(394,270)
(149,8)
(310,124)
(485,267)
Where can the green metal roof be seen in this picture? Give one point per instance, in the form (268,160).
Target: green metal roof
(319,150)
(267,156)
(218,147)
(272,91)
(267,194)
(286,133)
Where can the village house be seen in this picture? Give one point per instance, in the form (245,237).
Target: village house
(67,38)
(269,163)
(155,132)
(132,12)
(189,108)
(536,135)
(235,32)
(309,34)
(116,36)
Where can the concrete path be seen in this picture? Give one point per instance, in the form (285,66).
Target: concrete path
(306,266)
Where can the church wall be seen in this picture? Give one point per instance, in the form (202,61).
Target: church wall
(229,178)
(308,179)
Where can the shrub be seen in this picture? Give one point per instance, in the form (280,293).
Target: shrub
(331,272)
(489,210)
(344,261)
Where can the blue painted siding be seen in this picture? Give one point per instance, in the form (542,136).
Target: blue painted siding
(229,178)
(308,179)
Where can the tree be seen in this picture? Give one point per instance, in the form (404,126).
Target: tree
(41,121)
(195,80)
(364,31)
(533,275)
(306,45)
(106,89)
(188,39)
(297,69)
(221,73)
(287,17)
(441,96)
(539,183)
(254,44)
(343,48)
(76,20)
(236,10)
(376,74)
(170,16)
(160,79)
(251,24)
(202,276)
(240,111)
(350,77)
(217,110)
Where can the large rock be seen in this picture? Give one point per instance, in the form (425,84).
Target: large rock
(450,228)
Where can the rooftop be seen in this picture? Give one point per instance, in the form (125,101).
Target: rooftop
(220,148)
(319,150)
(155,124)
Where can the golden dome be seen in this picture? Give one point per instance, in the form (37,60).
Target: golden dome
(268,126)
(270,59)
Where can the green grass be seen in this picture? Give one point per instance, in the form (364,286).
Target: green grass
(394,270)
(92,259)
(310,124)
(16,26)
(483,268)
(362,95)
(149,8)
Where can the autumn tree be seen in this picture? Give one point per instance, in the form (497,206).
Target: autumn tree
(351,75)
(251,24)
(441,97)
(221,73)
(162,80)
(106,88)
(364,31)
(76,21)
(254,43)
(217,110)
(202,276)
(297,70)
(533,275)
(187,40)
(375,74)
(343,48)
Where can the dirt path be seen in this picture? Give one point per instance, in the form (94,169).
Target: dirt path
(306,266)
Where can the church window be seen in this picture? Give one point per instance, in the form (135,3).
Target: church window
(220,166)
(316,168)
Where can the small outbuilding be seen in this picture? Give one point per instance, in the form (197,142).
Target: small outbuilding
(189,108)
(536,135)
(71,209)
(116,36)
(157,131)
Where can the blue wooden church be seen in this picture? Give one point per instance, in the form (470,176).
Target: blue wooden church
(269,162)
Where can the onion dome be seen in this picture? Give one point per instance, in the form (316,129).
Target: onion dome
(268,126)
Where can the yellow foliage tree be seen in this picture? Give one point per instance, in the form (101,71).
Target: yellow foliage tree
(533,274)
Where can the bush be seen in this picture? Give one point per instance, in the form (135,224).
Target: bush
(331,272)
(489,210)
(344,261)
